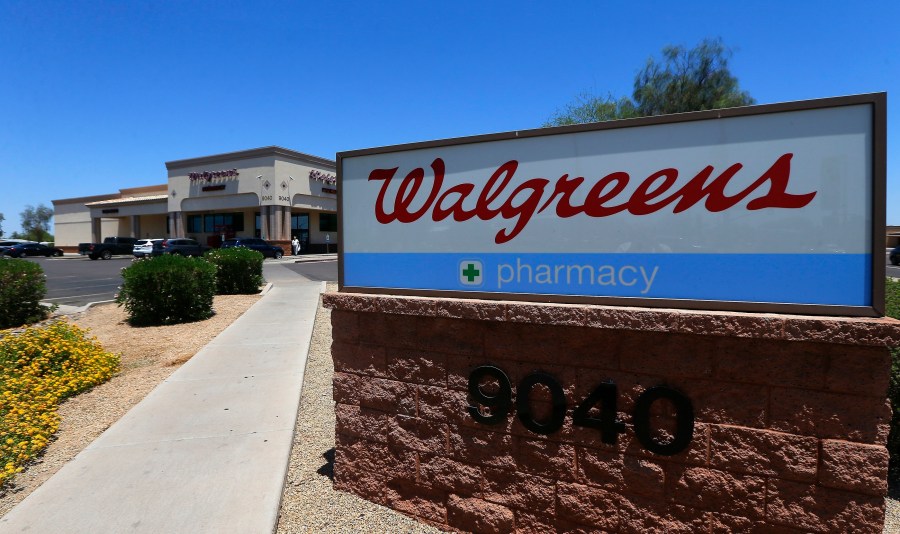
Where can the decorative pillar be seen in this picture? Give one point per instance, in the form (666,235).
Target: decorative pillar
(277,223)
(176,223)
(95,230)
(136,226)
(264,222)
(286,222)
(273,219)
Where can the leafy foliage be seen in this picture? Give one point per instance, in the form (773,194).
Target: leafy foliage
(238,270)
(892,301)
(167,289)
(22,286)
(689,80)
(683,80)
(36,223)
(2,218)
(39,368)
(591,108)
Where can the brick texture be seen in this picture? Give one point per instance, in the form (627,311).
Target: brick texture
(476,515)
(789,426)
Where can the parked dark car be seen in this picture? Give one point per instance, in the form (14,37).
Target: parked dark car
(20,250)
(895,256)
(257,244)
(8,244)
(108,248)
(183,246)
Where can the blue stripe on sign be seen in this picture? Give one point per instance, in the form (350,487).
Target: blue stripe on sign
(830,279)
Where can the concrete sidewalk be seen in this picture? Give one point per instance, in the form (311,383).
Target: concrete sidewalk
(208,449)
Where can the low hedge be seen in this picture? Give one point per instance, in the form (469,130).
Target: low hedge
(167,289)
(22,286)
(238,270)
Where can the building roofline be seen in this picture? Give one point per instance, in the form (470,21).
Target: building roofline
(130,191)
(82,200)
(147,199)
(251,153)
(125,192)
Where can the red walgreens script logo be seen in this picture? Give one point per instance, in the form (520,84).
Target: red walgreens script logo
(598,203)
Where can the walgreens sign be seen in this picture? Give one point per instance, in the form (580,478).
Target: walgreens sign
(766,208)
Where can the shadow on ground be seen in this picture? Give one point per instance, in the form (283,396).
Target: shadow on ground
(327,470)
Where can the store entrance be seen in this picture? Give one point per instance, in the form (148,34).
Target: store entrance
(303,237)
(300,230)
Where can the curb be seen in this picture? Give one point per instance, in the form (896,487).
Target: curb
(265,289)
(64,309)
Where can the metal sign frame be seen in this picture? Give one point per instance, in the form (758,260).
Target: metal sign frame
(878,104)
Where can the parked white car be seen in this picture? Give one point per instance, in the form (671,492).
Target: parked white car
(148,247)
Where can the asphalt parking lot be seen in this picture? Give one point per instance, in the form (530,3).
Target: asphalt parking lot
(75,280)
(891,271)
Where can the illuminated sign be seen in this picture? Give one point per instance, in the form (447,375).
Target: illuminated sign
(764,208)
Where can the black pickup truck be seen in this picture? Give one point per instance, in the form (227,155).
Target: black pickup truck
(109,247)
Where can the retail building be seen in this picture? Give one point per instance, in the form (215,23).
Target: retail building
(271,192)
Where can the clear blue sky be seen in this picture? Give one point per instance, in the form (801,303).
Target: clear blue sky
(95,96)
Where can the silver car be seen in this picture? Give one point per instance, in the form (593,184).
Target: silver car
(148,247)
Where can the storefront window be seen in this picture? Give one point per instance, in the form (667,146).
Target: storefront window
(235,221)
(328,222)
(215,222)
(300,222)
(195,224)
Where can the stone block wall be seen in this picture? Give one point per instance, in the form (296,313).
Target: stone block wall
(790,417)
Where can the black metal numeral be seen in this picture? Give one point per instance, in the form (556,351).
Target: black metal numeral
(608,423)
(605,395)
(684,428)
(498,404)
(523,403)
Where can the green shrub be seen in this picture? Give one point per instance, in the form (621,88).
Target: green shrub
(167,289)
(892,309)
(239,270)
(22,286)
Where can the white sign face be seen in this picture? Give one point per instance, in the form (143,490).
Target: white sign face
(760,207)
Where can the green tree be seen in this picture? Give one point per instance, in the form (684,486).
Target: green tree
(592,108)
(36,222)
(2,218)
(683,80)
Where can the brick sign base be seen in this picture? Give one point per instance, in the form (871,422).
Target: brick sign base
(790,416)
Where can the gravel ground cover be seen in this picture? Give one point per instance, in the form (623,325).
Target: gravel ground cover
(892,513)
(309,502)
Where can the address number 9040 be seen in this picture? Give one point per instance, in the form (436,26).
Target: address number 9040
(605,395)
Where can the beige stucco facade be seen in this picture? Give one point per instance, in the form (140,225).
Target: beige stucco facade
(271,192)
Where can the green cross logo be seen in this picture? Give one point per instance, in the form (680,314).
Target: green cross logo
(470,272)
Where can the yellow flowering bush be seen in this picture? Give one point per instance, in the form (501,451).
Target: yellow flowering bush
(40,367)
